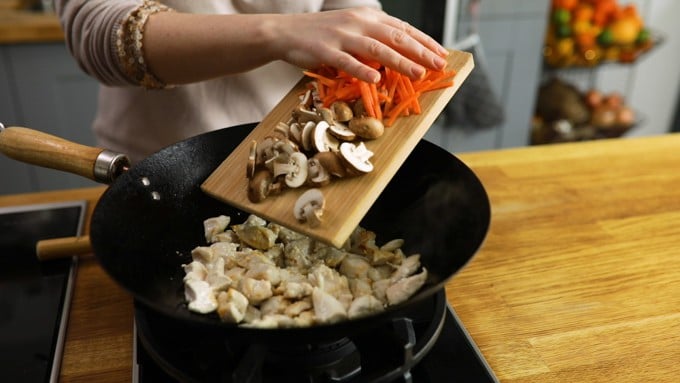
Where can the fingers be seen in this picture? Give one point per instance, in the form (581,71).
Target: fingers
(397,45)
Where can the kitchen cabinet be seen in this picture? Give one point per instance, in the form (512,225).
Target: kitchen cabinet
(41,87)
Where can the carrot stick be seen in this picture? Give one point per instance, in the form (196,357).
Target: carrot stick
(366,98)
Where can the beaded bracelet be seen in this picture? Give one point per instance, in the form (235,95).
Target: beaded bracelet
(130,49)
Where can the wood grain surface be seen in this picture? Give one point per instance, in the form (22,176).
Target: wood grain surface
(578,279)
(348,199)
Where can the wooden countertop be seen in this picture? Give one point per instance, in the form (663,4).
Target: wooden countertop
(29,27)
(578,279)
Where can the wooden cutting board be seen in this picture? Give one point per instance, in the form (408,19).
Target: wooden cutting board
(347,199)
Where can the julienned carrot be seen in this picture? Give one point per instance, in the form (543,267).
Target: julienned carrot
(393,96)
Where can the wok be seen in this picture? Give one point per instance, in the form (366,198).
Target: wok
(151,216)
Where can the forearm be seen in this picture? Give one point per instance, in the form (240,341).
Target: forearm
(183,48)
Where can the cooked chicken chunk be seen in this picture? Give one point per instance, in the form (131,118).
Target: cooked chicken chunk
(405,288)
(200,296)
(255,290)
(214,226)
(327,309)
(231,306)
(364,305)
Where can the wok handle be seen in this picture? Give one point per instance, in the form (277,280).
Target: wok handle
(56,248)
(43,149)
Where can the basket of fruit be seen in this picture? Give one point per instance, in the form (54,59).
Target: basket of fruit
(585,33)
(563,113)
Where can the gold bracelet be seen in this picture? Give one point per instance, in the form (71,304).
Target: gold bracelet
(130,48)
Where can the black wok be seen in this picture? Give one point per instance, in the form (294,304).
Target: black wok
(151,216)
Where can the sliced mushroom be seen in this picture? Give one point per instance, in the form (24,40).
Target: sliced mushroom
(307,135)
(303,115)
(332,162)
(281,130)
(369,128)
(295,170)
(309,207)
(322,141)
(317,175)
(342,132)
(258,187)
(252,159)
(295,133)
(357,157)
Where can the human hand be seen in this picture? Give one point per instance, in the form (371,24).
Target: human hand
(337,38)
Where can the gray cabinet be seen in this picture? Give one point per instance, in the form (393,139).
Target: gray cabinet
(42,88)
(511,35)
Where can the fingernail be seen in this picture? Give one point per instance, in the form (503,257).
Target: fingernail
(439,62)
(443,51)
(418,71)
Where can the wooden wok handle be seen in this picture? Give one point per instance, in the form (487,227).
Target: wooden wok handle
(56,248)
(42,149)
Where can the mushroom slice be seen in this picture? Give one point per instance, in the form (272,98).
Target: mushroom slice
(332,162)
(307,134)
(252,159)
(322,141)
(295,133)
(259,185)
(357,156)
(309,207)
(317,175)
(342,132)
(304,115)
(295,169)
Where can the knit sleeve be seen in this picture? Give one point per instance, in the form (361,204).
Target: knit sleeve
(97,37)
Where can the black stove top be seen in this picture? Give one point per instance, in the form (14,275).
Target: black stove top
(427,344)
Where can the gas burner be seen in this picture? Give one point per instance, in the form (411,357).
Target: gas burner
(386,353)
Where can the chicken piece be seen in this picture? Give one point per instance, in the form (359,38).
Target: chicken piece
(354,266)
(305,319)
(255,290)
(224,249)
(297,252)
(265,272)
(410,265)
(219,282)
(285,235)
(274,321)
(294,290)
(296,308)
(227,236)
(200,296)
(275,253)
(231,306)
(377,273)
(327,309)
(215,225)
(276,304)
(292,274)
(360,287)
(392,245)
(364,305)
(405,288)
(195,270)
(380,289)
(252,314)
(257,237)
(235,274)
(202,254)
(330,255)
(329,280)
